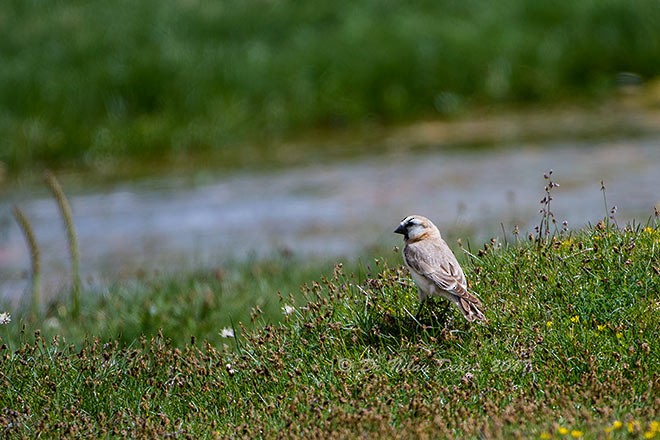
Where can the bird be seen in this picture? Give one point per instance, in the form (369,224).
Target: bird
(434,268)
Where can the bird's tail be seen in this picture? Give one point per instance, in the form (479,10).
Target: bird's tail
(471,308)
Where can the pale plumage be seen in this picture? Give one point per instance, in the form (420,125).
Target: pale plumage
(434,267)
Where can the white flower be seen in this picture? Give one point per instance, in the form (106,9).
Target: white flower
(227,332)
(5,318)
(287,310)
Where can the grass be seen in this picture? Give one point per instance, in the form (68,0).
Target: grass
(571,350)
(87,84)
(180,306)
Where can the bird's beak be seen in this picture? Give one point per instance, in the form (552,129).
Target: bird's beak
(400,230)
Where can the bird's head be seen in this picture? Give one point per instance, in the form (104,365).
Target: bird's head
(416,227)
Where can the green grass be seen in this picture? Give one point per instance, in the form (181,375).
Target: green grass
(180,306)
(572,345)
(94,84)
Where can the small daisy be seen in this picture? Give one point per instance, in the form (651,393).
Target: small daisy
(227,332)
(5,318)
(287,310)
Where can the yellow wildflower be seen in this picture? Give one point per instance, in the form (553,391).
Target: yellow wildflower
(632,426)
(649,434)
(654,426)
(601,327)
(576,434)
(617,424)
(562,430)
(575,318)
(548,324)
(545,436)
(649,230)
(619,335)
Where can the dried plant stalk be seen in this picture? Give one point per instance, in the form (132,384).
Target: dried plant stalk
(33,247)
(72,238)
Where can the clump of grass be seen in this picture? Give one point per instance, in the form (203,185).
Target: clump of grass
(571,348)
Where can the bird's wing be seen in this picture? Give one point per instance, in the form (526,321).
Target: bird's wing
(436,262)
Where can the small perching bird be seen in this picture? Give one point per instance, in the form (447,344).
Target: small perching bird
(434,267)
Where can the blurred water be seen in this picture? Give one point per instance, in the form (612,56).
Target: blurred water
(332,210)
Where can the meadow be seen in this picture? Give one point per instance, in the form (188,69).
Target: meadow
(571,349)
(286,347)
(113,86)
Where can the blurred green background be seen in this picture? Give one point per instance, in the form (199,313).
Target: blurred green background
(91,83)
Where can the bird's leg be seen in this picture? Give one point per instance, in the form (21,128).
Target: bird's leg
(442,314)
(433,314)
(421,306)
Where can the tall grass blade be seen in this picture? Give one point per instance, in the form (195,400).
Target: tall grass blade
(30,238)
(67,216)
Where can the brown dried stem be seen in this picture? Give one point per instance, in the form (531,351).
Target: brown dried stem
(67,216)
(33,247)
